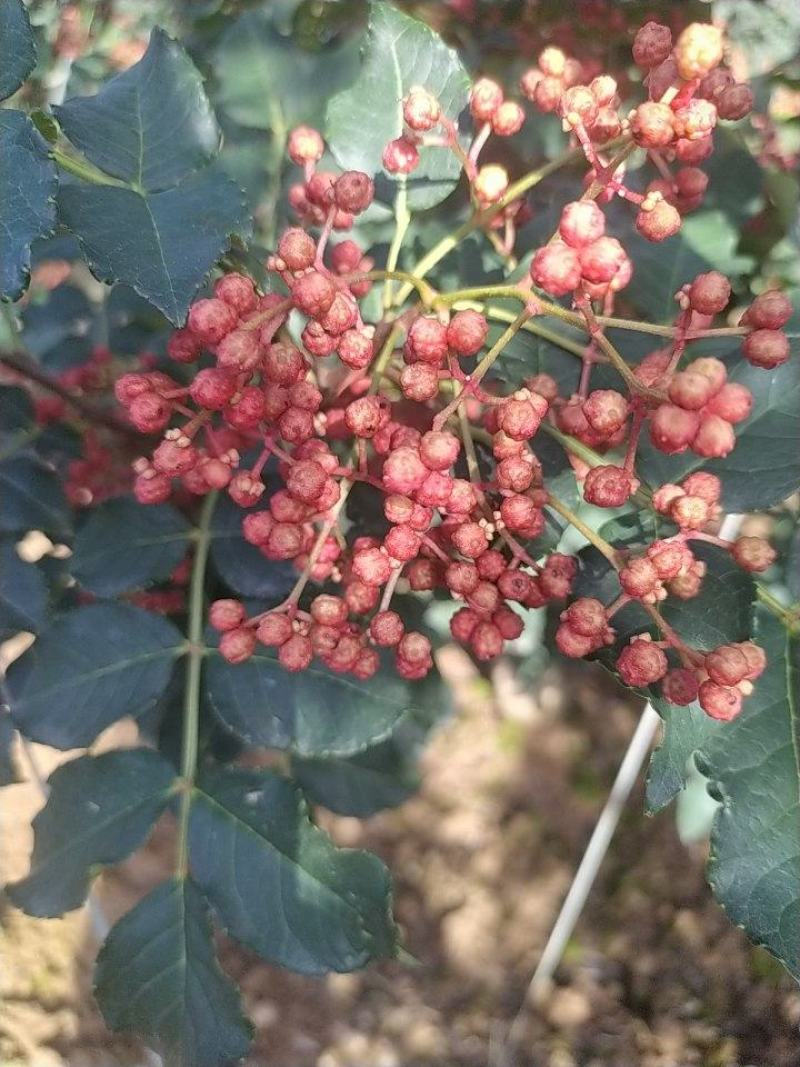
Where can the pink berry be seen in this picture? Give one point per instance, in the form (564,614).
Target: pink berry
(238,292)
(313,293)
(305,145)
(353,191)
(508,119)
(556,269)
(404,471)
(296,654)
(608,486)
(602,260)
(237,645)
(753,553)
(680,686)
(660,222)
(486,641)
(467,332)
(735,102)
(672,429)
(652,124)
(720,702)
(419,382)
(427,341)
(639,578)
(715,437)
(733,402)
(709,293)
(766,348)
(439,449)
(274,630)
(582,222)
(226,614)
(770,310)
(641,663)
(421,110)
(210,320)
(400,156)
(485,98)
(470,539)
(297,249)
(651,45)
(586,616)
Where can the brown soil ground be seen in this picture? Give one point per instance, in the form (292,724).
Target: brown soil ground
(654,977)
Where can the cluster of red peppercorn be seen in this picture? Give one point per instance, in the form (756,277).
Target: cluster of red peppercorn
(374,415)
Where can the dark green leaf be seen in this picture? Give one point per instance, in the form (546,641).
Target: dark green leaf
(17,47)
(278,884)
(149,126)
(161,244)
(158,976)
(764,468)
(100,809)
(16,410)
(684,731)
(659,270)
(754,769)
(32,497)
(61,331)
(239,564)
(267,82)
(313,713)
(9,771)
(124,545)
(381,777)
(527,355)
(23,593)
(793,565)
(400,52)
(27,196)
(90,668)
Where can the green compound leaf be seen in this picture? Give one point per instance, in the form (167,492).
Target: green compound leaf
(764,467)
(753,765)
(314,713)
(27,195)
(152,127)
(149,126)
(124,545)
(400,52)
(157,975)
(23,593)
(93,666)
(267,82)
(161,244)
(278,884)
(17,47)
(100,810)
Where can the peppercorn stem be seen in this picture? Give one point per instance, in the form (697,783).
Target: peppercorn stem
(485,364)
(591,535)
(194,663)
(82,169)
(788,616)
(402,217)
